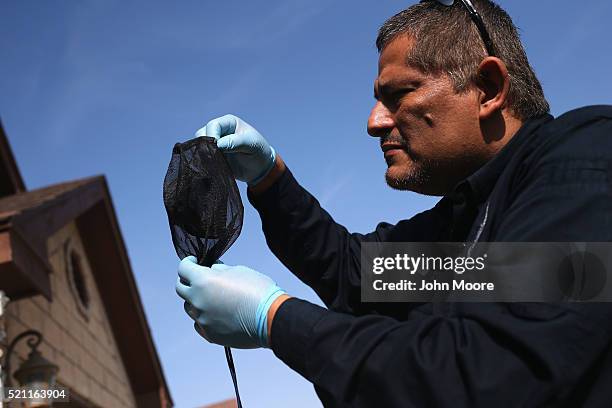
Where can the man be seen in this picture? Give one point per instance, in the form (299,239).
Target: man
(460,114)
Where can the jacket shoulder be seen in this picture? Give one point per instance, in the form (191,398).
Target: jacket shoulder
(581,133)
(581,116)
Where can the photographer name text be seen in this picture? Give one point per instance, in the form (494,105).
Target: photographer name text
(455,285)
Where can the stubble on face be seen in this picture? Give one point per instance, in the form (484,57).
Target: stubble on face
(404,171)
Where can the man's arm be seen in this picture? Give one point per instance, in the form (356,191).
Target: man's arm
(306,239)
(321,252)
(491,355)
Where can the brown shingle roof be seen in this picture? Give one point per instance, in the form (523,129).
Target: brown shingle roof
(18,203)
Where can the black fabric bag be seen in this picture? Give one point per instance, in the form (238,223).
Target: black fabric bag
(204,208)
(202,200)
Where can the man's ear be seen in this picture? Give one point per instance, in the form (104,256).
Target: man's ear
(493,82)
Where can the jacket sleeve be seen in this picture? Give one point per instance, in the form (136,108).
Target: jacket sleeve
(322,253)
(493,355)
(476,355)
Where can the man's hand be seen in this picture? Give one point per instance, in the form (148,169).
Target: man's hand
(248,153)
(229,304)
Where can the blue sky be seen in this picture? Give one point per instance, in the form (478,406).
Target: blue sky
(107,87)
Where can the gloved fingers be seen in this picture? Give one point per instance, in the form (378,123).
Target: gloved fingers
(181,289)
(222,126)
(242,126)
(220,267)
(236,143)
(187,269)
(212,337)
(191,311)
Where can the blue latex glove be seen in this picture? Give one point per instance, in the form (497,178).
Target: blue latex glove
(229,304)
(249,155)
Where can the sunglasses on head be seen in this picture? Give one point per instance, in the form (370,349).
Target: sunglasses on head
(484,34)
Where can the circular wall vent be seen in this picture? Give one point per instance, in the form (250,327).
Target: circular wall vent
(77,280)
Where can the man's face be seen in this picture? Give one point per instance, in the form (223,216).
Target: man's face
(430,135)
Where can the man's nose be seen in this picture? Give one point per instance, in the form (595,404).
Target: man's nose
(381,121)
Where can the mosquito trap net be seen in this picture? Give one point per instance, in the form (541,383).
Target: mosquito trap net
(204,208)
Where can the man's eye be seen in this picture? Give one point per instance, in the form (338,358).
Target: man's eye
(395,97)
(400,93)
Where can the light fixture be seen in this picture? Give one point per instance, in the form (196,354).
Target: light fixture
(36,373)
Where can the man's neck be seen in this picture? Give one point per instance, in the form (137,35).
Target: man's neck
(499,130)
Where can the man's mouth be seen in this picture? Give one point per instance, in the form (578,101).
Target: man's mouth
(390,147)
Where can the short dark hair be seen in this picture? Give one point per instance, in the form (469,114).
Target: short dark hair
(446,40)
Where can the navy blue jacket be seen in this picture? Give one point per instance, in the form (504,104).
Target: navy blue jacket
(551,183)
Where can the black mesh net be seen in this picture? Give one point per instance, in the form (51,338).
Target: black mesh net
(202,200)
(204,208)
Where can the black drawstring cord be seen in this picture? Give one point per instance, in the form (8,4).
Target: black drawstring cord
(230,365)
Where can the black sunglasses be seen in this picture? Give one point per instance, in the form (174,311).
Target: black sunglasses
(476,19)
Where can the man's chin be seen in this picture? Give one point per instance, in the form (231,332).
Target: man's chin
(409,181)
(398,183)
(402,179)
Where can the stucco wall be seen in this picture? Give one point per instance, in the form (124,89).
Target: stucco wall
(77,339)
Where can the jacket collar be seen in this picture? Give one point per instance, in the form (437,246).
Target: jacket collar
(477,187)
